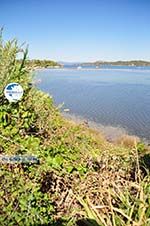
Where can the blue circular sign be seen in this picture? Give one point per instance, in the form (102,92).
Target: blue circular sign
(13,92)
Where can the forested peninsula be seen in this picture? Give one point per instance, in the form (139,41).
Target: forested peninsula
(37,63)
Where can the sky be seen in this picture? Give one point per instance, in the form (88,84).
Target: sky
(79,30)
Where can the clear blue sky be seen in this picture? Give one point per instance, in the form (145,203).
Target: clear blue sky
(79,30)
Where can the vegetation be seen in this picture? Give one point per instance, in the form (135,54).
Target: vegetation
(40,63)
(81,179)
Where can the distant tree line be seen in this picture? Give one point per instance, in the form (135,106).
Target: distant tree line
(41,63)
(121,63)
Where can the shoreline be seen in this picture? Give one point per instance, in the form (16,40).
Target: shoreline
(112,134)
(136,70)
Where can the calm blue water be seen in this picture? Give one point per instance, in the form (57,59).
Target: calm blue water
(116,96)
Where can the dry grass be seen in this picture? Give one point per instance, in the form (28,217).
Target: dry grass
(107,197)
(128,141)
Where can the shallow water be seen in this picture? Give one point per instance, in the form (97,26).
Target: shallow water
(112,96)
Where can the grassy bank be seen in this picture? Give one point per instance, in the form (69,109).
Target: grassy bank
(81,179)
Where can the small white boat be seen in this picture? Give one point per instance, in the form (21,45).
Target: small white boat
(79,67)
(66,110)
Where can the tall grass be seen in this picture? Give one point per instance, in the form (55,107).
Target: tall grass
(11,70)
(120,205)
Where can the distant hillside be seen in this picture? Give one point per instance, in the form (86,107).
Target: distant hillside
(122,63)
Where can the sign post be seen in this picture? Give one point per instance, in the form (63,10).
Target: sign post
(13,92)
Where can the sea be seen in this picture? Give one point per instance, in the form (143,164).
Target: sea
(113,99)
